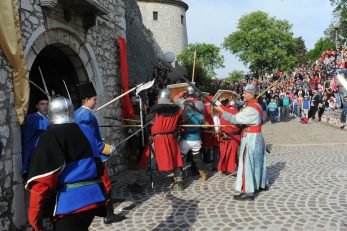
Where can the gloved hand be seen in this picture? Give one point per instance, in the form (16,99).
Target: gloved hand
(113,149)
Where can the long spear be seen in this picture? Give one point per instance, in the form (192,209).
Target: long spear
(138,90)
(120,96)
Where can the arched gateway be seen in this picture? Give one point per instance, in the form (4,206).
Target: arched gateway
(61,55)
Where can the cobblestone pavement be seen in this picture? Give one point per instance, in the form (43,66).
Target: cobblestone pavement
(307,192)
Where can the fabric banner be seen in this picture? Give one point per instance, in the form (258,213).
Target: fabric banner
(127,107)
(11,44)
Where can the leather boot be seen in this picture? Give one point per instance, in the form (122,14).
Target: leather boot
(203,175)
(111,217)
(200,166)
(135,188)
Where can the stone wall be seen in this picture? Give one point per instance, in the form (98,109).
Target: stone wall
(10,157)
(98,51)
(168,31)
(141,47)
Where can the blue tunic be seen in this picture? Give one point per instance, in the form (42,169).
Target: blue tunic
(193,133)
(71,199)
(85,117)
(35,125)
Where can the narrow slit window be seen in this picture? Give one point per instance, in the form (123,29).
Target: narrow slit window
(155,15)
(182,19)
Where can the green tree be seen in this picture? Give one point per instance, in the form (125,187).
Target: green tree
(340,12)
(208,60)
(300,51)
(321,45)
(235,76)
(263,43)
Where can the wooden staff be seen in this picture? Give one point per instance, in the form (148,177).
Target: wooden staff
(194,61)
(274,83)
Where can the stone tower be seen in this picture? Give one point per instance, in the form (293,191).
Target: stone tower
(166,19)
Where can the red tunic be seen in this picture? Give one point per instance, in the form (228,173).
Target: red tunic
(208,139)
(166,148)
(228,144)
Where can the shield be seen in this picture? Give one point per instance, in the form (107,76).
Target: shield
(222,95)
(225,94)
(176,88)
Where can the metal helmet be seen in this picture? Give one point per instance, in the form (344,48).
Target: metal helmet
(60,111)
(164,94)
(190,90)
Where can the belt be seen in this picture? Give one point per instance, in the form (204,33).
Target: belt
(82,183)
(251,129)
(162,134)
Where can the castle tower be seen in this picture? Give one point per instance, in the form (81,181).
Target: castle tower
(166,19)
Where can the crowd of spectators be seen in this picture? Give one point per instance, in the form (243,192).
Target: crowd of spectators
(306,93)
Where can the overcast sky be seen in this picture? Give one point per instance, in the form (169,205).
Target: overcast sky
(210,21)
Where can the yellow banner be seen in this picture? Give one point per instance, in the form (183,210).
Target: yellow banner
(11,44)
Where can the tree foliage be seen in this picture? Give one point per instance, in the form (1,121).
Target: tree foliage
(300,51)
(340,12)
(235,76)
(263,43)
(208,60)
(321,45)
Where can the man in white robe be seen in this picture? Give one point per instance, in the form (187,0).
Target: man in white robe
(251,173)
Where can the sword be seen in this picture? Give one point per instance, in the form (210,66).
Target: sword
(147,124)
(112,118)
(37,86)
(44,84)
(67,90)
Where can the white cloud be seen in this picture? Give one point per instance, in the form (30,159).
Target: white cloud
(210,21)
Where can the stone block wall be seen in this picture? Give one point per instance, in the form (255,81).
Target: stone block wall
(97,50)
(142,49)
(169,32)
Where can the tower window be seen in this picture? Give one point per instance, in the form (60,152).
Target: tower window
(155,15)
(182,19)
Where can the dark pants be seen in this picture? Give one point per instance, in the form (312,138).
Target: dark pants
(272,116)
(76,222)
(343,116)
(285,113)
(312,112)
(320,113)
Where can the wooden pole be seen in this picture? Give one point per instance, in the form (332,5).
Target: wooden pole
(193,72)
(273,84)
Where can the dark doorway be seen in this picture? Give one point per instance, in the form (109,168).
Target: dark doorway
(56,66)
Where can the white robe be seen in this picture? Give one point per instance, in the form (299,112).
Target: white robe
(252,158)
